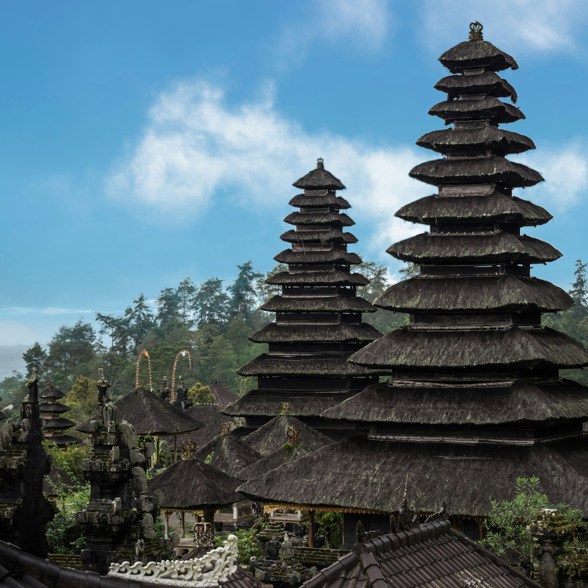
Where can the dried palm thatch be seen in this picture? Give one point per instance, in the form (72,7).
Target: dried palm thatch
(308,256)
(500,403)
(329,236)
(315,218)
(227,453)
(320,199)
(468,293)
(487,82)
(274,435)
(500,141)
(319,179)
(494,208)
(150,415)
(476,54)
(318,278)
(192,484)
(371,475)
(515,347)
(489,108)
(440,172)
(212,420)
(472,248)
(337,303)
(274,333)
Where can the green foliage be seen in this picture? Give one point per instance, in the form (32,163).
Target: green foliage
(64,534)
(82,399)
(242,291)
(67,463)
(13,389)
(330,525)
(247,545)
(200,394)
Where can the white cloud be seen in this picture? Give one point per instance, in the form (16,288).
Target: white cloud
(365,24)
(565,170)
(196,149)
(516,25)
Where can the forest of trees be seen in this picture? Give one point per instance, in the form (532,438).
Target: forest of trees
(212,320)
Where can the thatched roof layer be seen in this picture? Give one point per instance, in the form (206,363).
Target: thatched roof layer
(273,435)
(318,179)
(150,415)
(520,402)
(515,347)
(468,293)
(495,208)
(270,462)
(276,333)
(466,477)
(473,247)
(489,108)
(319,200)
(441,172)
(322,278)
(476,54)
(484,136)
(486,82)
(309,256)
(228,453)
(316,218)
(302,365)
(329,236)
(192,484)
(53,407)
(264,403)
(213,421)
(338,303)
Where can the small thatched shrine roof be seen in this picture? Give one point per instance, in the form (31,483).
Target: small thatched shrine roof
(190,484)
(487,82)
(431,554)
(228,453)
(212,419)
(319,179)
(489,108)
(332,235)
(150,415)
(272,462)
(474,54)
(222,394)
(274,333)
(335,303)
(364,475)
(318,278)
(315,256)
(272,436)
(320,199)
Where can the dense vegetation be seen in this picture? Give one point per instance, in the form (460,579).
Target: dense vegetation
(211,320)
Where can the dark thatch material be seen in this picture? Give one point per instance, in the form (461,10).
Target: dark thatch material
(491,109)
(53,407)
(519,402)
(308,256)
(515,347)
(329,236)
(480,247)
(280,365)
(228,453)
(441,172)
(319,200)
(486,82)
(267,403)
(212,420)
(277,333)
(338,303)
(494,208)
(19,569)
(318,179)
(322,278)
(270,462)
(57,423)
(315,218)
(485,136)
(431,554)
(190,484)
(372,475)
(467,293)
(476,54)
(273,435)
(52,393)
(150,415)
(222,394)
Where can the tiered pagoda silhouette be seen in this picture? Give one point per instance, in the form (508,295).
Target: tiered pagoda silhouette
(318,315)
(475,399)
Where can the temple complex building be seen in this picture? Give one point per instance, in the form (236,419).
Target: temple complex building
(318,321)
(474,398)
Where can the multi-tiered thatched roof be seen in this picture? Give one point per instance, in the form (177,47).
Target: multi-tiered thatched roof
(475,398)
(318,314)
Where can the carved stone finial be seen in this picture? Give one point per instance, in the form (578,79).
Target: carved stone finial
(225,428)
(285,409)
(292,434)
(103,385)
(320,163)
(188,448)
(476,29)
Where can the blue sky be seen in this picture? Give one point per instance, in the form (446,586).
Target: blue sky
(146,141)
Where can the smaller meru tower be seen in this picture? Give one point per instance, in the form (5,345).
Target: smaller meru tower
(318,321)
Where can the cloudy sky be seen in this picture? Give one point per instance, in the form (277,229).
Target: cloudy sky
(146,141)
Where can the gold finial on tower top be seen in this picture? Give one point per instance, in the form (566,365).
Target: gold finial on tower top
(320,163)
(476,29)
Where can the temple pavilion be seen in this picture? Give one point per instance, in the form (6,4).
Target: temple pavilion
(318,313)
(474,398)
